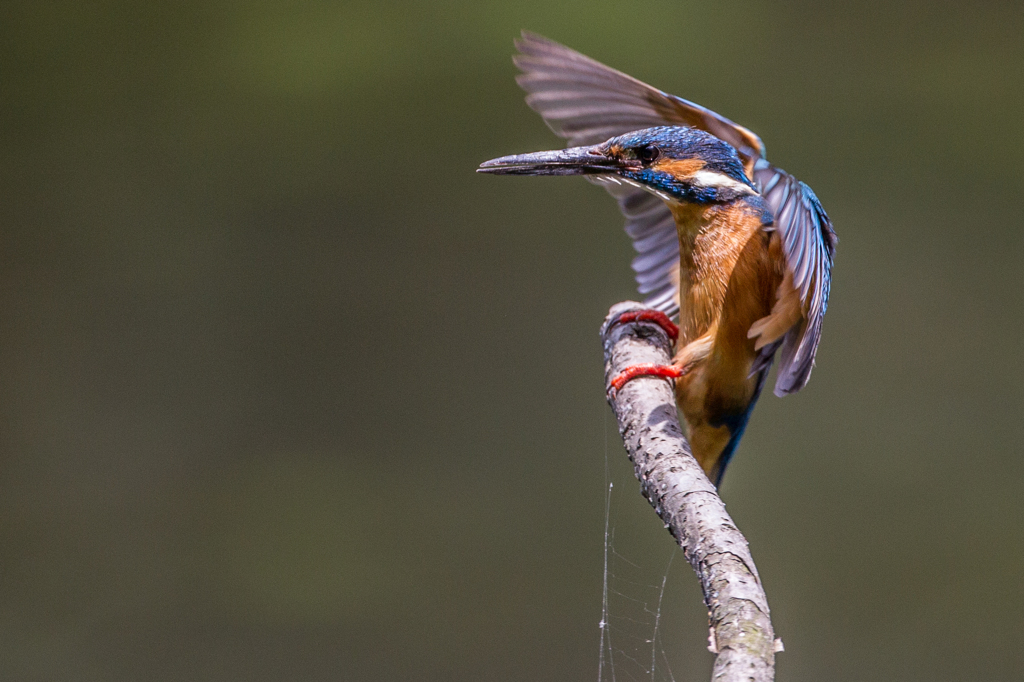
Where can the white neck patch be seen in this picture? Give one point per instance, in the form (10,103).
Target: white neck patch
(705,178)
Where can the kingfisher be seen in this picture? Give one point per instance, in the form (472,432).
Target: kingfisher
(739,252)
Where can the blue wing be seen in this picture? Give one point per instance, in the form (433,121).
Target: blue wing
(586,102)
(809,244)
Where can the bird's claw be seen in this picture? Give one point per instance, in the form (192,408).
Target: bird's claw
(645,370)
(656,316)
(648,369)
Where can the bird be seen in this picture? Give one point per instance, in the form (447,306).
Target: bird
(736,250)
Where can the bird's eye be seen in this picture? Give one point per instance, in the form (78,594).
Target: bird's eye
(647,153)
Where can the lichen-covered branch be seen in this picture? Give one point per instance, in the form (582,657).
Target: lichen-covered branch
(684,498)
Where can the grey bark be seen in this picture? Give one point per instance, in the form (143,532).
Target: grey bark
(688,503)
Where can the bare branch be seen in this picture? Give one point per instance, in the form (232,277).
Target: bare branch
(684,498)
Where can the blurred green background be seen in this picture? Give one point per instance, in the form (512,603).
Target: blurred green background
(288,392)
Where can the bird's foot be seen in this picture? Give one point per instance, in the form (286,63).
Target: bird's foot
(648,370)
(656,316)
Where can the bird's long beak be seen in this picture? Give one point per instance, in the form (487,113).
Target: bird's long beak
(572,161)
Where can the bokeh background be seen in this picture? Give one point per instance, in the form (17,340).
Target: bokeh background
(288,392)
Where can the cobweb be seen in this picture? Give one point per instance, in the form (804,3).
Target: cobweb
(631,644)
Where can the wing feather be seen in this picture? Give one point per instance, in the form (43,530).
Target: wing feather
(809,243)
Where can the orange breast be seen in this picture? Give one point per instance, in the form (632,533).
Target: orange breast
(731,270)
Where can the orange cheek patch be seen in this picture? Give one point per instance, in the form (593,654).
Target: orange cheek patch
(683,169)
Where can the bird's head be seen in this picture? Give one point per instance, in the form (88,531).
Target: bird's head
(677,163)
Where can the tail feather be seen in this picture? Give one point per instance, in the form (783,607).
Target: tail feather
(736,425)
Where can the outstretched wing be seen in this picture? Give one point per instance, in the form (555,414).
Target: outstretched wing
(586,102)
